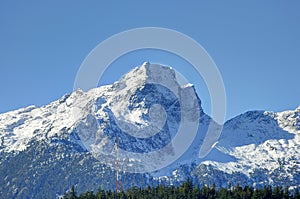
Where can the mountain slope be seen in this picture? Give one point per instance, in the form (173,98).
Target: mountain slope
(72,141)
(260,147)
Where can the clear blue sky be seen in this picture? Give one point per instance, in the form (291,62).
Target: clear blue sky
(255,44)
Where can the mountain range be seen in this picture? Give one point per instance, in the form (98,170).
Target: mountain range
(154,128)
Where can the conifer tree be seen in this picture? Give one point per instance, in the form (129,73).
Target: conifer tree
(286,194)
(72,193)
(296,193)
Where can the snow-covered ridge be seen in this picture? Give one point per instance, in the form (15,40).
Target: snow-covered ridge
(260,140)
(18,127)
(290,120)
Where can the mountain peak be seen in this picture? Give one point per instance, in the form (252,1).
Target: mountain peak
(159,77)
(150,73)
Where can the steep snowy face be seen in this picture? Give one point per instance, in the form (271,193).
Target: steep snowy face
(255,127)
(143,111)
(260,142)
(126,102)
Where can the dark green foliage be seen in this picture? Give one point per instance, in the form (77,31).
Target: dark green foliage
(189,191)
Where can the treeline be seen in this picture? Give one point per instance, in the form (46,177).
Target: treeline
(189,191)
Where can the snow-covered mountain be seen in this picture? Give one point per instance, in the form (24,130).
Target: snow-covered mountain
(72,141)
(258,148)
